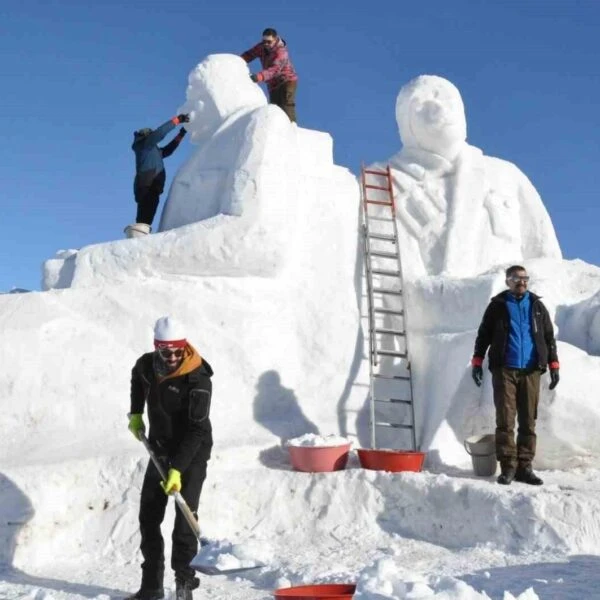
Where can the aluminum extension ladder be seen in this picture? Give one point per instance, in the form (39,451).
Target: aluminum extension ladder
(390,381)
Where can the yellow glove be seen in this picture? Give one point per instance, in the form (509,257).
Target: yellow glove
(173,483)
(136,425)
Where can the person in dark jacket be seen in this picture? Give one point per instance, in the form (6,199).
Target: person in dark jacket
(518,331)
(173,384)
(277,71)
(149,168)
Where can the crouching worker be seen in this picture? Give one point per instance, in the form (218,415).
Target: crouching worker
(150,171)
(173,384)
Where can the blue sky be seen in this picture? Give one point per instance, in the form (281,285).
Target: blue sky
(79,77)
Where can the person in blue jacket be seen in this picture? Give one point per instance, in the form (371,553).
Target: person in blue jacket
(149,168)
(518,331)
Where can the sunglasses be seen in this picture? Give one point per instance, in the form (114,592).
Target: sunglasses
(516,278)
(268,42)
(168,352)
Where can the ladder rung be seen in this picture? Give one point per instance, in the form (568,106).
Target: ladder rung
(382,254)
(383,236)
(390,331)
(392,401)
(377,187)
(391,353)
(395,425)
(380,202)
(385,272)
(386,291)
(388,311)
(385,219)
(392,377)
(372,172)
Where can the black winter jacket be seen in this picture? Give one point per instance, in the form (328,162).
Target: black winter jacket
(494,329)
(178,410)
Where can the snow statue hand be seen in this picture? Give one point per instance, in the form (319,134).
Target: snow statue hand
(136,425)
(173,483)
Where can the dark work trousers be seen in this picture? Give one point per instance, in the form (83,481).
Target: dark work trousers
(152,511)
(516,394)
(147,195)
(284,96)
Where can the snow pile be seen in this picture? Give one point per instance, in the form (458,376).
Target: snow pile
(317,441)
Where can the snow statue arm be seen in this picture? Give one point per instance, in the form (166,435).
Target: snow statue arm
(537,232)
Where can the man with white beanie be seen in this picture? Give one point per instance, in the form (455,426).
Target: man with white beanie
(174,385)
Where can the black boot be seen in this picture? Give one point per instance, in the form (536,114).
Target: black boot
(526,475)
(507,475)
(146,594)
(184,587)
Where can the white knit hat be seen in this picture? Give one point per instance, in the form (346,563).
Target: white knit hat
(169,333)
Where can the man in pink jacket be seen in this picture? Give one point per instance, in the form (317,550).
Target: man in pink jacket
(277,71)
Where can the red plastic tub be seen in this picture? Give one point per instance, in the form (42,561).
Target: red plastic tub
(329,591)
(319,459)
(393,461)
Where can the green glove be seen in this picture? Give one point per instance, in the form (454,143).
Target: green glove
(173,483)
(136,425)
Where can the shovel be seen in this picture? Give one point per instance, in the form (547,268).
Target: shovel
(196,564)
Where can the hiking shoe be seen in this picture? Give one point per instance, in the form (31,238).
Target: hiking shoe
(145,594)
(506,477)
(527,476)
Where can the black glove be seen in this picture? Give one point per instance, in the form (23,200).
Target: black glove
(554,378)
(183,118)
(182,132)
(254,77)
(477,375)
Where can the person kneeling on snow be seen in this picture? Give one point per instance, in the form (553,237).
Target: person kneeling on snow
(150,171)
(174,385)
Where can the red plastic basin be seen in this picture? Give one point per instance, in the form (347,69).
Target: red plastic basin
(329,591)
(391,460)
(319,459)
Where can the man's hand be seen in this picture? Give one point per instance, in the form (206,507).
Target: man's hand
(136,425)
(554,378)
(477,375)
(183,118)
(173,483)
(254,77)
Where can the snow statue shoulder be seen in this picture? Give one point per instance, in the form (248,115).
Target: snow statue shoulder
(239,139)
(460,212)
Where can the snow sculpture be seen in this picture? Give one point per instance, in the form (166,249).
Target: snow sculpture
(460,212)
(463,217)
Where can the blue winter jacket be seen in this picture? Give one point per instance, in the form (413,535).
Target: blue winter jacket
(148,156)
(521,352)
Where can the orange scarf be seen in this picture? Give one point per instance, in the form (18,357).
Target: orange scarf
(191,360)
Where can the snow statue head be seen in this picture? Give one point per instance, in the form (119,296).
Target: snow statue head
(218,87)
(431,116)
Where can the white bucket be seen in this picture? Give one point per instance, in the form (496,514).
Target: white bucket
(482,449)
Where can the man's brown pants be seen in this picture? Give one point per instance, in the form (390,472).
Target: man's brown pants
(516,394)
(284,96)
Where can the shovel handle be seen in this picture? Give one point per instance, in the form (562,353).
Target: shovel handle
(186,511)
